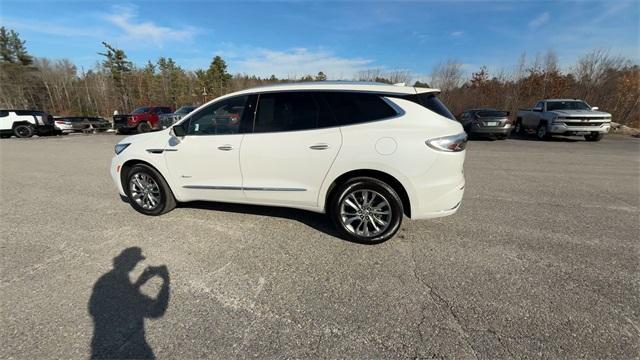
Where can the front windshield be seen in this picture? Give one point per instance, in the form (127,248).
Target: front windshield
(141,110)
(567,105)
(185,109)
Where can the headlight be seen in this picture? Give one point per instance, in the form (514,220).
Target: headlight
(120,148)
(453,143)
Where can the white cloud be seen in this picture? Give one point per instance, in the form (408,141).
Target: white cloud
(540,20)
(134,28)
(457,33)
(298,62)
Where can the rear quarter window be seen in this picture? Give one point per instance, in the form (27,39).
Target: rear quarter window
(431,102)
(355,108)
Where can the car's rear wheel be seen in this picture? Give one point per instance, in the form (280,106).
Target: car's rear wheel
(542,132)
(366,210)
(144,127)
(594,136)
(23,131)
(148,192)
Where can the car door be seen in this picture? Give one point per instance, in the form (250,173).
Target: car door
(532,118)
(204,163)
(290,151)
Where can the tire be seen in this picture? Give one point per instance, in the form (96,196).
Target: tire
(594,136)
(138,187)
(541,132)
(23,131)
(143,127)
(519,129)
(349,199)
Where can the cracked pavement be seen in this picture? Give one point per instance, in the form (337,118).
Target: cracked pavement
(541,261)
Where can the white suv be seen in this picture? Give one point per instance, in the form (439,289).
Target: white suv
(366,154)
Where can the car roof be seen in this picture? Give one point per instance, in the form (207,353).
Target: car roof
(360,86)
(563,100)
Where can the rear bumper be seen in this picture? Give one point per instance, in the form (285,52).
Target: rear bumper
(503,130)
(564,129)
(439,193)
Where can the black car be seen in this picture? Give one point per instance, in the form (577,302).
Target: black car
(487,122)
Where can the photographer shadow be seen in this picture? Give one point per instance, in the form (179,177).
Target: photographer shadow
(119,308)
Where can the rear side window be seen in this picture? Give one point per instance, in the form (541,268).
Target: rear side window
(431,102)
(355,108)
(4,113)
(291,111)
(24,112)
(491,113)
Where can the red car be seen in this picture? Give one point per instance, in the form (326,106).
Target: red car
(142,119)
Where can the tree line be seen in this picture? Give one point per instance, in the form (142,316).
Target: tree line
(115,83)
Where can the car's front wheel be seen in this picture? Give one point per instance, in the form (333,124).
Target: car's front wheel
(366,210)
(148,192)
(594,136)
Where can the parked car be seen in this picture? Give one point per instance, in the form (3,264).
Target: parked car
(69,124)
(25,123)
(564,117)
(64,125)
(363,153)
(488,122)
(166,120)
(142,119)
(98,124)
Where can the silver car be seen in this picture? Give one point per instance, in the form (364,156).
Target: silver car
(166,120)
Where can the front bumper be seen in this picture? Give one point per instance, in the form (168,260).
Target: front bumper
(579,128)
(116,167)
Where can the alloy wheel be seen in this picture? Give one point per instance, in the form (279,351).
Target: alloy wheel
(23,131)
(365,213)
(542,132)
(145,191)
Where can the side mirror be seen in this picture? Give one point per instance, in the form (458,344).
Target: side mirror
(538,109)
(594,108)
(178,131)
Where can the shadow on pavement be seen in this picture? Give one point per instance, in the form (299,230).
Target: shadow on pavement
(316,221)
(532,137)
(119,308)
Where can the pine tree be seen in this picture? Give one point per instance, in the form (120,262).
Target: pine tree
(217,77)
(321,76)
(6,52)
(119,67)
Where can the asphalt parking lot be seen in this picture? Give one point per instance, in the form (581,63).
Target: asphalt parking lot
(542,260)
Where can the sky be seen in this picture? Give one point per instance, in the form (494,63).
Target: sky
(340,38)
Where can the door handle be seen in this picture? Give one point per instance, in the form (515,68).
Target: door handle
(319,147)
(225,147)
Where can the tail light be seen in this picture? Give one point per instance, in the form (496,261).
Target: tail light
(59,122)
(453,143)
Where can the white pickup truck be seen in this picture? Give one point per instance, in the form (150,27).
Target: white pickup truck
(25,123)
(563,117)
